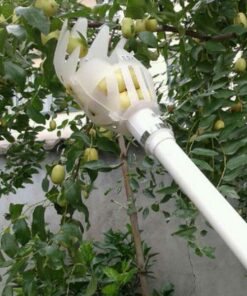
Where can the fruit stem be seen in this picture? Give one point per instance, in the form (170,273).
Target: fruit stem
(140,261)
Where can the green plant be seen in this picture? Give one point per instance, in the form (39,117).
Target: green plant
(39,262)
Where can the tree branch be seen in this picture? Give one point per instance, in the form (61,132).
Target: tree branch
(187,32)
(140,261)
(195,34)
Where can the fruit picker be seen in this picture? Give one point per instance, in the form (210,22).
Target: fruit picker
(116,91)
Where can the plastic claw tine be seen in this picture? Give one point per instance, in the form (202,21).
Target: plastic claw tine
(99,47)
(120,45)
(81,27)
(70,66)
(124,56)
(63,30)
(59,56)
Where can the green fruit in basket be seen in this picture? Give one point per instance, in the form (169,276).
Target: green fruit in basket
(124,100)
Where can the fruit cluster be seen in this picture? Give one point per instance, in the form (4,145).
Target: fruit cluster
(239,67)
(58,171)
(123,93)
(240,64)
(130,27)
(50,8)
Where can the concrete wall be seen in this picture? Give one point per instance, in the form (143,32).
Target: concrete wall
(191,275)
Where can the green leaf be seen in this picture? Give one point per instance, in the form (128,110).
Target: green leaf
(45,184)
(232,175)
(155,207)
(237,162)
(21,231)
(238,29)
(135,8)
(92,286)
(74,153)
(9,245)
(134,184)
(100,166)
(29,283)
(203,165)
(38,222)
(214,47)
(15,211)
(80,135)
(2,260)
(8,291)
(111,273)
(209,252)
(145,213)
(15,73)
(126,277)
(68,235)
(72,192)
(35,115)
(204,152)
(168,190)
(110,290)
(3,37)
(16,30)
(148,38)
(107,145)
(34,17)
(186,231)
(231,148)
(207,136)
(229,191)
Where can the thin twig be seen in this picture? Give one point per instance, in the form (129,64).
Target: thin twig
(195,34)
(224,160)
(140,261)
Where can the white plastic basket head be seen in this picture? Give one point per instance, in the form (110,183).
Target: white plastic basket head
(109,88)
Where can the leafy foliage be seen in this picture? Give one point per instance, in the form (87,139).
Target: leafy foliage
(45,263)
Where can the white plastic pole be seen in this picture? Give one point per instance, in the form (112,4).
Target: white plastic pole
(148,129)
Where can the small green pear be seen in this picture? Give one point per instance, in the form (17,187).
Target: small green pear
(53,125)
(240,65)
(140,25)
(58,174)
(91,154)
(128,27)
(219,124)
(151,25)
(74,42)
(240,19)
(49,7)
